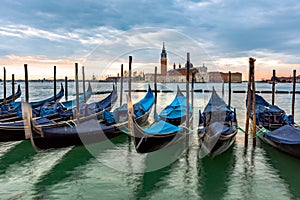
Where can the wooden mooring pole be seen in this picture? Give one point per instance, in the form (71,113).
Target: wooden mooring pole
(155,91)
(66,88)
(229,88)
(249,96)
(54,77)
(129,93)
(77,93)
(192,96)
(253,108)
(223,89)
(4,85)
(192,92)
(293,94)
(26,84)
(83,85)
(129,81)
(187,90)
(13,86)
(273,86)
(121,87)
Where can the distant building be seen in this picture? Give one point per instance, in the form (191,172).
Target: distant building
(176,74)
(218,77)
(163,61)
(286,79)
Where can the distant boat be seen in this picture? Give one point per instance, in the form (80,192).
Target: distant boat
(271,82)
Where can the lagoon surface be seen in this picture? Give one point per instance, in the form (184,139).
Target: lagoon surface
(113,169)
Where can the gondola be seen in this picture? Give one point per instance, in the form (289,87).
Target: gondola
(88,130)
(217,126)
(15,113)
(276,128)
(175,113)
(14,131)
(11,111)
(161,133)
(12,97)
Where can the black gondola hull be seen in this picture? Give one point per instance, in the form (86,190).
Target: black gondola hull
(222,145)
(291,149)
(69,136)
(150,144)
(11,134)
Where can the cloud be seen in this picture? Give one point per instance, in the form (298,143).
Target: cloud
(223,29)
(22,31)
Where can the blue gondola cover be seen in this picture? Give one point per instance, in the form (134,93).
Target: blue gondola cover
(286,135)
(162,127)
(176,109)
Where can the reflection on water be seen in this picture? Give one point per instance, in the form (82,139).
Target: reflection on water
(79,173)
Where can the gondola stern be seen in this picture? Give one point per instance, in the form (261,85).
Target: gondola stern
(28,123)
(179,92)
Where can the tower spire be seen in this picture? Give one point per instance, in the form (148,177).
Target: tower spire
(163,60)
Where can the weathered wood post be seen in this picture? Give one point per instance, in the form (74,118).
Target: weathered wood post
(77,93)
(155,91)
(273,86)
(66,88)
(13,86)
(129,93)
(192,96)
(129,81)
(26,84)
(4,85)
(192,92)
(54,77)
(293,94)
(83,85)
(249,96)
(253,107)
(121,89)
(229,88)
(187,90)
(223,89)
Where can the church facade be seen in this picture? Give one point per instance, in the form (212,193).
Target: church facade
(177,74)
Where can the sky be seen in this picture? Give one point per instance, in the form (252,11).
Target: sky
(222,34)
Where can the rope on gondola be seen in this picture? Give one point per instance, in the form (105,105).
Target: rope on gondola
(241,129)
(261,132)
(189,130)
(126,132)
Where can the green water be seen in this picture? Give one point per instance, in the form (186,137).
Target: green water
(107,173)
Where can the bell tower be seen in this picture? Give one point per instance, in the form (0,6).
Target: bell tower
(163,61)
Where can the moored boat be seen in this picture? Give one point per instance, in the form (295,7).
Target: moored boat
(276,128)
(165,131)
(13,111)
(12,97)
(54,113)
(218,126)
(85,131)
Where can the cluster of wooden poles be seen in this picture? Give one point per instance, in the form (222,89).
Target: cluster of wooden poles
(54,80)
(251,93)
(27,85)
